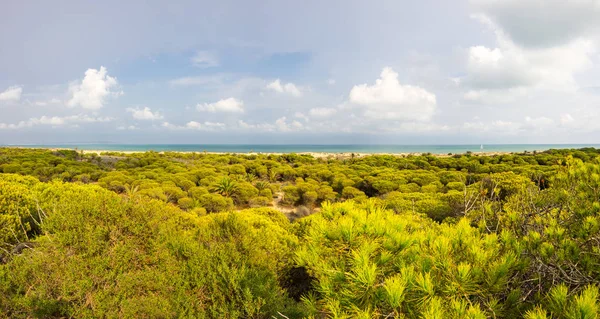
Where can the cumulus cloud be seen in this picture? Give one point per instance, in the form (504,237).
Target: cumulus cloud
(388,99)
(144,114)
(193,125)
(230,105)
(129,128)
(499,68)
(205,59)
(301,115)
(214,124)
(55,121)
(93,90)
(169,125)
(543,24)
(510,66)
(288,88)
(262,126)
(206,125)
(516,65)
(82,118)
(491,96)
(282,125)
(12,94)
(322,112)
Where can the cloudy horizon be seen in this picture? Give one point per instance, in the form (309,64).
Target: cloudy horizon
(339,72)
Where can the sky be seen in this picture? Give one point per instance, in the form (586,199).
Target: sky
(301,72)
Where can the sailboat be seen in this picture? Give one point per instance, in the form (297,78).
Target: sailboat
(481,147)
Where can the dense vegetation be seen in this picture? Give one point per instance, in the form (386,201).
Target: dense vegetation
(195,235)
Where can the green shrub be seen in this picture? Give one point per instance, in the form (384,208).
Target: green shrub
(457,186)
(245,191)
(101,255)
(197,191)
(266,193)
(350,192)
(215,203)
(185,203)
(260,201)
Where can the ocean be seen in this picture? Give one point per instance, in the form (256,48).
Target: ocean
(299,148)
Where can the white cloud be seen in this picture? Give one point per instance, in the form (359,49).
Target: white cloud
(262,127)
(490,96)
(566,119)
(193,125)
(214,124)
(331,82)
(498,126)
(206,125)
(46,120)
(289,88)
(496,68)
(130,128)
(56,121)
(12,94)
(169,125)
(230,105)
(82,118)
(282,125)
(510,66)
(322,112)
(144,114)
(301,115)
(529,126)
(512,69)
(538,123)
(93,90)
(22,124)
(197,80)
(205,59)
(539,24)
(48,102)
(388,99)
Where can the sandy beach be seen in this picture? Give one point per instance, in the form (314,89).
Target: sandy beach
(323,155)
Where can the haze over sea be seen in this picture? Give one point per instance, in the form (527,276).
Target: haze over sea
(301,148)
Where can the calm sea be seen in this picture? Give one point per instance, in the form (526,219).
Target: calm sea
(297,148)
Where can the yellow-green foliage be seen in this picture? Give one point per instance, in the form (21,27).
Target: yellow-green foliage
(171,176)
(101,255)
(154,235)
(364,258)
(19,214)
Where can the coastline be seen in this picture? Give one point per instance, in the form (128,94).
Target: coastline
(316,150)
(347,154)
(320,155)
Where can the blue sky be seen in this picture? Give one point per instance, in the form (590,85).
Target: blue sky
(405,72)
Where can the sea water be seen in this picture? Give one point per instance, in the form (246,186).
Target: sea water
(299,148)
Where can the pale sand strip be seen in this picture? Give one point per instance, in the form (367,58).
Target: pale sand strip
(345,155)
